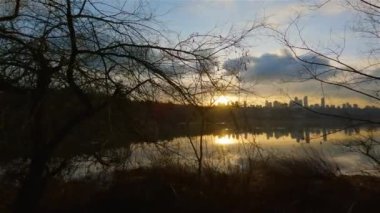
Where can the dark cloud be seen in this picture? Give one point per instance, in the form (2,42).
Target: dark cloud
(274,67)
(268,70)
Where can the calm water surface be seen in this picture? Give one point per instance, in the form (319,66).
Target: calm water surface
(226,149)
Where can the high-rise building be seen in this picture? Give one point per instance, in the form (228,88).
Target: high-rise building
(305,102)
(323,104)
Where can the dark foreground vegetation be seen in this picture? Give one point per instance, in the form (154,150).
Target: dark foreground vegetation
(286,185)
(124,122)
(74,73)
(279,185)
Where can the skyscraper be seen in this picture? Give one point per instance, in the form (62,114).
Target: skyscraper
(305,102)
(323,104)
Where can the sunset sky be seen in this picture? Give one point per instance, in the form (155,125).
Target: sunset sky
(329,26)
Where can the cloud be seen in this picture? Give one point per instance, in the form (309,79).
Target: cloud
(283,13)
(281,74)
(274,67)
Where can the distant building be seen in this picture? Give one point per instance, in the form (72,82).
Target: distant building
(316,106)
(346,106)
(305,102)
(323,103)
(277,104)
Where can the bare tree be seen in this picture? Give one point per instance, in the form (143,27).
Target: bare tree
(328,66)
(91,48)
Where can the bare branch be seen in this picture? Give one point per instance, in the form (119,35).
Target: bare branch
(370,4)
(15,13)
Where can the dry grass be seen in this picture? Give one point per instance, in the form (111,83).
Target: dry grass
(278,185)
(287,185)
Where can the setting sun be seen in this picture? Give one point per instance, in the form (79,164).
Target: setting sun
(222,100)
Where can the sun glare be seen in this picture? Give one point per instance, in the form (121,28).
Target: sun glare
(224,140)
(222,100)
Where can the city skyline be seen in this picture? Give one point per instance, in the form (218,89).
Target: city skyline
(267,64)
(298,103)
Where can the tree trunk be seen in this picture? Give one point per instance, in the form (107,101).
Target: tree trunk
(200,160)
(33,187)
(34,183)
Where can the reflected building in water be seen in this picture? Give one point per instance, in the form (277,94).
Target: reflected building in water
(299,135)
(303,134)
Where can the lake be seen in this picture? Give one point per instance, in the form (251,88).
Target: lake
(226,149)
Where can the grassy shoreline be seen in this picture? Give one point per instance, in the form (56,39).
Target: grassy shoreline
(286,185)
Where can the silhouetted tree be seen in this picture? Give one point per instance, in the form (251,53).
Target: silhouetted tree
(328,66)
(93,49)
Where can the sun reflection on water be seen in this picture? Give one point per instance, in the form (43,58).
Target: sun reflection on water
(224,140)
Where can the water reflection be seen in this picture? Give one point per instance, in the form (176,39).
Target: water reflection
(225,140)
(231,149)
(306,134)
(228,149)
